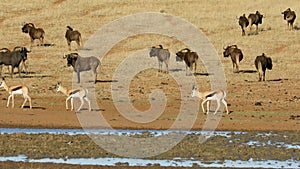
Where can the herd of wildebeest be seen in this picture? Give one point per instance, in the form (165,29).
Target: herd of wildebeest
(18,56)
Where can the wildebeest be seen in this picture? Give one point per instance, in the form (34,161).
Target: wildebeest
(236,56)
(34,33)
(255,19)
(13,59)
(243,22)
(163,55)
(72,35)
(290,17)
(262,63)
(80,64)
(189,58)
(23,62)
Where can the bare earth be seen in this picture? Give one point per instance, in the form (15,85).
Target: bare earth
(255,106)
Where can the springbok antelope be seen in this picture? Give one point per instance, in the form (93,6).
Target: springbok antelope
(217,95)
(80,93)
(17,89)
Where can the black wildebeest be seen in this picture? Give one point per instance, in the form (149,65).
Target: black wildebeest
(81,64)
(290,17)
(189,58)
(163,55)
(23,62)
(72,35)
(243,22)
(255,19)
(262,63)
(13,59)
(236,56)
(34,33)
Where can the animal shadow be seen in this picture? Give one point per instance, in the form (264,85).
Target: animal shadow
(106,81)
(46,44)
(296,28)
(247,71)
(276,80)
(203,74)
(35,108)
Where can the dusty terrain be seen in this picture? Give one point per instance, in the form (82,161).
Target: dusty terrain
(265,106)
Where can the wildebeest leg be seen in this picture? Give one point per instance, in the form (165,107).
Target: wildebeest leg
(32,41)
(41,41)
(78,44)
(167,67)
(159,66)
(264,74)
(19,70)
(256,28)
(237,64)
(195,67)
(233,66)
(12,72)
(191,69)
(95,74)
(186,69)
(25,67)
(78,76)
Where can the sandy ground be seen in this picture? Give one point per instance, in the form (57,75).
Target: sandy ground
(253,105)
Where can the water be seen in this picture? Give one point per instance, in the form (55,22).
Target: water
(178,162)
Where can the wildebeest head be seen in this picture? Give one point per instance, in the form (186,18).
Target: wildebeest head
(288,14)
(154,50)
(269,62)
(181,53)
(71,58)
(26,28)
(23,51)
(243,21)
(228,50)
(259,17)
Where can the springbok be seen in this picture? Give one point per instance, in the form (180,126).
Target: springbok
(207,96)
(17,89)
(80,93)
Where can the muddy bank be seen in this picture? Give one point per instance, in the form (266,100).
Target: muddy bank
(280,146)
(14,165)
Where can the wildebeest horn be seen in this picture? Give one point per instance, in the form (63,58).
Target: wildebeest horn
(31,24)
(3,79)
(64,56)
(18,48)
